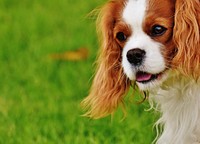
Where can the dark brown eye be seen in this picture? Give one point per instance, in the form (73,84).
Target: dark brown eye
(121,36)
(158,30)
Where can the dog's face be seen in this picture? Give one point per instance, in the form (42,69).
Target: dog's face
(141,41)
(144,33)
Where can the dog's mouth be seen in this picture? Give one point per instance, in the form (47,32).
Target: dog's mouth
(145,77)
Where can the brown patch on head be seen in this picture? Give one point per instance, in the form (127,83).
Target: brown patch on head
(121,33)
(161,14)
(111,22)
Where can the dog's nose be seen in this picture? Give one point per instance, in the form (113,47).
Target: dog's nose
(135,56)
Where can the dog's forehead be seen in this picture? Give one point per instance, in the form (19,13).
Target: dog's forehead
(136,11)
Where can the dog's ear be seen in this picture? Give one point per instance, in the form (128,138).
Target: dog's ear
(109,84)
(187,36)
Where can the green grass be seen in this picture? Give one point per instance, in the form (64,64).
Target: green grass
(39,97)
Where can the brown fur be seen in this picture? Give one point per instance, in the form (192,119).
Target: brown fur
(187,37)
(109,84)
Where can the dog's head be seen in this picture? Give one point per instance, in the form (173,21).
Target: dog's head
(142,40)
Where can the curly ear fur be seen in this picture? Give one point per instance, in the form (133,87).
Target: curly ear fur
(187,37)
(109,84)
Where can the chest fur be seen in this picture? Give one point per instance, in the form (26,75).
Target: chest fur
(178,100)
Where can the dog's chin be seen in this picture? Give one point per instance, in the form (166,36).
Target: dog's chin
(148,81)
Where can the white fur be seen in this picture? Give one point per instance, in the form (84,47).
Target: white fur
(178,99)
(134,14)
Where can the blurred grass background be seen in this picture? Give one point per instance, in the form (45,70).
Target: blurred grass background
(39,97)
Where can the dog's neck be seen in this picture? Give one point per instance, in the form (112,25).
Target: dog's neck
(178,100)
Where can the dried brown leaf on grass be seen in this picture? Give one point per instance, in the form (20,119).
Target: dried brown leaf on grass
(74,55)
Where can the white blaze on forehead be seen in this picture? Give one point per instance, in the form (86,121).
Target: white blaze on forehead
(134,13)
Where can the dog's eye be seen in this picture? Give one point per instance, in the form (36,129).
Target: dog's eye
(121,36)
(158,30)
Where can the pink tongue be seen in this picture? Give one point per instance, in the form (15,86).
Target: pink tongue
(143,77)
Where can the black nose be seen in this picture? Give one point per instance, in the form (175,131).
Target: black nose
(135,56)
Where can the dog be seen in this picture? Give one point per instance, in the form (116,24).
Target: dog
(156,45)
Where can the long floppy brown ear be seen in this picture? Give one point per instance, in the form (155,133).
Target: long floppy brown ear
(109,84)
(187,37)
